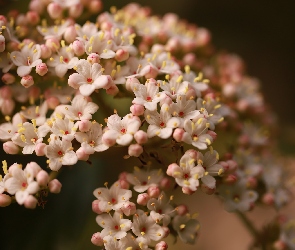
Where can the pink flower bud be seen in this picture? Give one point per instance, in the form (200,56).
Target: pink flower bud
(54,10)
(124,184)
(121,55)
(78,48)
(95,207)
(7,106)
(167,100)
(192,153)
(137,109)
(82,156)
(54,186)
(187,190)
(40,149)
(212,134)
(27,81)
(108,139)
(166,231)
(162,245)
(166,183)
(141,137)
(76,10)
(10,148)
(233,165)
(182,210)
(42,178)
(30,202)
(131,83)
(6,92)
(41,69)
(171,169)
(33,168)
(70,34)
(123,176)
(229,90)
(36,6)
(189,59)
(97,240)
(135,150)
(142,199)
(154,191)
(2,43)
(151,72)
(8,78)
(93,58)
(128,208)
(172,45)
(95,6)
(268,199)
(178,134)
(207,190)
(53,44)
(33,17)
(251,182)
(5,200)
(3,20)
(52,102)
(84,125)
(230,179)
(45,51)
(113,90)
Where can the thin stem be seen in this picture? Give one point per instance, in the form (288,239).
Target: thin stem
(248,224)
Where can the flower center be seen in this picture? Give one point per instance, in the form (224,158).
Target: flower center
(24,184)
(59,153)
(79,113)
(114,201)
(123,130)
(195,137)
(149,99)
(185,176)
(66,60)
(162,124)
(89,80)
(66,132)
(181,114)
(116,227)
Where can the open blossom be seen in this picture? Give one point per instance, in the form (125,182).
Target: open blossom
(8,129)
(174,87)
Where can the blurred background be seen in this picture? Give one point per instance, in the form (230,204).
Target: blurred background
(263,34)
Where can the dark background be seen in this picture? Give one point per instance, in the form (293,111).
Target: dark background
(261,32)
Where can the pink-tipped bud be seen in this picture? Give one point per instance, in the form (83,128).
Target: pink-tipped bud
(33,17)
(108,139)
(54,10)
(173,44)
(123,176)
(6,92)
(251,182)
(137,109)
(167,100)
(268,199)
(52,102)
(171,169)
(142,199)
(187,190)
(8,78)
(93,58)
(5,200)
(165,183)
(230,179)
(78,48)
(131,83)
(192,153)
(207,190)
(42,178)
(113,90)
(41,69)
(2,43)
(54,186)
(36,6)
(182,210)
(128,208)
(154,191)
(189,59)
(3,20)
(76,10)
(121,55)
(45,51)
(141,137)
(27,81)
(33,168)
(53,44)
(178,134)
(84,125)
(82,156)
(7,106)
(151,72)
(70,34)
(30,202)
(135,150)
(97,240)
(95,6)
(10,148)
(40,149)
(162,245)
(212,134)
(95,207)
(124,184)
(106,26)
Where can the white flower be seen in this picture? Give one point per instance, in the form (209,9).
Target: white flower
(64,128)
(86,31)
(38,113)
(60,152)
(8,129)
(26,59)
(111,243)
(175,86)
(55,31)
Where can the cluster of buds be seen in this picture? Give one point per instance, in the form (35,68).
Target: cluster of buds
(183,100)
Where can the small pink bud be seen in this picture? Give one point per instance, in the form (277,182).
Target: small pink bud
(78,48)
(52,102)
(212,134)
(135,150)
(7,106)
(95,207)
(54,186)
(30,202)
(121,55)
(70,34)
(97,240)
(151,72)
(229,90)
(167,100)
(108,139)
(54,10)
(40,149)
(141,137)
(142,199)
(162,245)
(165,183)
(124,184)
(178,134)
(33,17)
(8,78)
(36,6)
(41,69)
(137,109)
(268,199)
(27,81)
(106,26)
(131,83)
(95,6)
(189,59)
(3,20)
(5,200)
(113,90)
(45,51)
(6,92)
(244,140)
(2,43)
(82,156)
(10,148)
(181,210)
(53,44)
(84,125)
(93,58)
(33,168)
(233,165)
(154,191)
(42,178)
(166,231)
(172,168)
(76,10)
(123,176)
(192,153)
(230,179)
(187,190)
(207,190)
(251,182)
(128,208)
(173,44)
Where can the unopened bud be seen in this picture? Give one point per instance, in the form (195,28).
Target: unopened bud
(135,150)
(128,208)
(2,43)
(54,186)
(5,200)
(27,81)
(154,191)
(53,44)
(141,137)
(10,148)
(207,190)
(137,109)
(84,125)
(78,48)
(93,58)
(45,51)
(121,55)
(113,90)
(178,134)
(131,84)
(95,6)
(76,10)
(142,199)
(8,78)
(95,207)
(54,10)
(165,183)
(171,169)
(162,245)
(187,190)
(182,210)
(70,34)
(268,199)
(41,69)
(82,156)
(30,202)
(33,17)
(97,240)
(42,178)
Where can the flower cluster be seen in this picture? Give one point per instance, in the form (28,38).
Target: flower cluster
(183,101)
